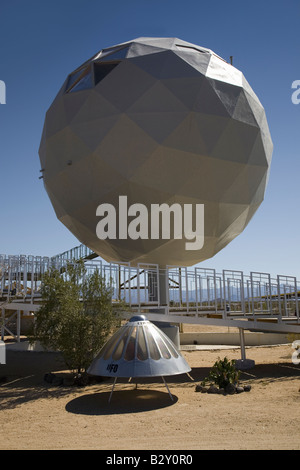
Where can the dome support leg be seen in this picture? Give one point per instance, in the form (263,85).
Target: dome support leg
(167,388)
(112,389)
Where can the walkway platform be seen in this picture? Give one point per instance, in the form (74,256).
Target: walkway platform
(255,301)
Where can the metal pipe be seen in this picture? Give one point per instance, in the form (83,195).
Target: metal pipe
(242,343)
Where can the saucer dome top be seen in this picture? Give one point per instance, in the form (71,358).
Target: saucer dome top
(139,349)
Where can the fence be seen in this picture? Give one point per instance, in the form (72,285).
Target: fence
(195,291)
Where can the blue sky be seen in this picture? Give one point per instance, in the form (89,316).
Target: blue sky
(42,41)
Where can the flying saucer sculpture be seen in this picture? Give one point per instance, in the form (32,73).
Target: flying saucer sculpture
(139,349)
(157,121)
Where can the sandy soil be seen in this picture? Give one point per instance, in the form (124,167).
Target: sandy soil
(37,415)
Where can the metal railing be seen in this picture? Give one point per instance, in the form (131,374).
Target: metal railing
(76,253)
(188,291)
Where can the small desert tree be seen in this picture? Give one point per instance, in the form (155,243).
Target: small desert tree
(76,316)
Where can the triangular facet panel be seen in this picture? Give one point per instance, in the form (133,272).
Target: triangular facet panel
(115,54)
(101,70)
(126,84)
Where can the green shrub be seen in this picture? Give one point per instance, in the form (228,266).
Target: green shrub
(77,315)
(223,373)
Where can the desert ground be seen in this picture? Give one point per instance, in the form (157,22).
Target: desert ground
(38,415)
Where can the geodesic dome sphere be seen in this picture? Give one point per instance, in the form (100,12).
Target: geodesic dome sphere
(158,121)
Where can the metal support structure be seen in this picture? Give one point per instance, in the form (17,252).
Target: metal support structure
(243,363)
(178,294)
(2,323)
(242,343)
(16,316)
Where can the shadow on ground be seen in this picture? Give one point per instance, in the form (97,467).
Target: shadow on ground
(122,402)
(22,378)
(22,381)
